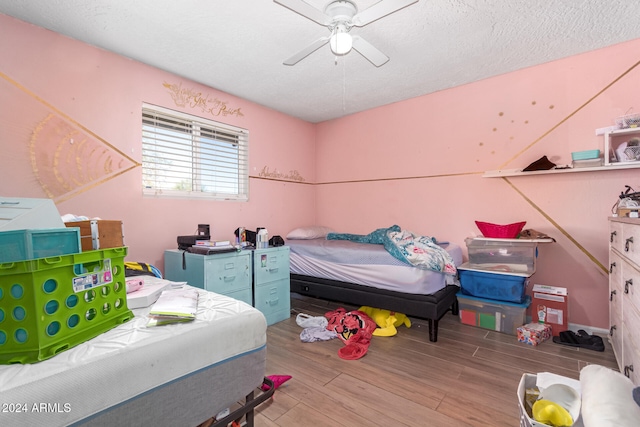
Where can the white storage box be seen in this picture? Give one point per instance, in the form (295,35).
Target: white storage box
(22,213)
(149,293)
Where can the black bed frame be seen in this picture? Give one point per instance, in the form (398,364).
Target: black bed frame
(246,410)
(431,307)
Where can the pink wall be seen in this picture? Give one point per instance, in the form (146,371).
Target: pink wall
(419,164)
(416,163)
(54,89)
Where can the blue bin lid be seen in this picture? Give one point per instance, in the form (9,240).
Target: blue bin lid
(525,304)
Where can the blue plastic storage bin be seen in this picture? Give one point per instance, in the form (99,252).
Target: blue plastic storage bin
(23,245)
(494,286)
(585,155)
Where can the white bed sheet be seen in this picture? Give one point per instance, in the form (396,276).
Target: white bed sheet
(366,264)
(128,361)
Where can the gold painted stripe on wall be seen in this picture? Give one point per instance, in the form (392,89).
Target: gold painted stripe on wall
(570,115)
(354,181)
(93,185)
(291,181)
(45,103)
(558,227)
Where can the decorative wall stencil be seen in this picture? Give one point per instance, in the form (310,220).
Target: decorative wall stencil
(185,97)
(293,175)
(60,156)
(67,160)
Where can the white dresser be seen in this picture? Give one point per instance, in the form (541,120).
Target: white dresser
(624,294)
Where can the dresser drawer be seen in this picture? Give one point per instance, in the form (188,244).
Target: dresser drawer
(273,300)
(616,265)
(270,265)
(243,295)
(630,365)
(629,244)
(615,235)
(616,331)
(225,275)
(630,284)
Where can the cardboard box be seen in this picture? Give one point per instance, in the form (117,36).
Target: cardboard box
(631,212)
(98,234)
(534,333)
(550,305)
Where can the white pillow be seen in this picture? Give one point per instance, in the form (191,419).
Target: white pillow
(607,399)
(307,233)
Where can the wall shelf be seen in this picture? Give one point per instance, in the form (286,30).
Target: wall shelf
(518,172)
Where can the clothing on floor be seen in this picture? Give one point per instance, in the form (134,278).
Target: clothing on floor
(317,333)
(307,321)
(354,328)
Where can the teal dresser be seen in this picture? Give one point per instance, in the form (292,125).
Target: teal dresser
(259,277)
(227,273)
(271,283)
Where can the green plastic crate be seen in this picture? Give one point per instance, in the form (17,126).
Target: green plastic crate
(48,305)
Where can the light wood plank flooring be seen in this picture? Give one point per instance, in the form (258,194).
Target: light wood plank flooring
(468,378)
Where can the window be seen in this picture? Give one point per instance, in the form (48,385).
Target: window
(188,156)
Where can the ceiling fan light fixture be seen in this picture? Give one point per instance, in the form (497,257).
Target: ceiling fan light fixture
(341,42)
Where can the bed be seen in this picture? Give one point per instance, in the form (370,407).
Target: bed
(367,274)
(179,374)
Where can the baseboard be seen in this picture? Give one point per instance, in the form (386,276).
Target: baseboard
(590,329)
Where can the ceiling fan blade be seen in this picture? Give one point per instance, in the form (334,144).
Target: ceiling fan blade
(306,51)
(371,53)
(306,10)
(378,10)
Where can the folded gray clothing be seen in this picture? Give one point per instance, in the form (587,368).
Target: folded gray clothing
(317,333)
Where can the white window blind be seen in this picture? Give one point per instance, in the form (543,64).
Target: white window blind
(188,156)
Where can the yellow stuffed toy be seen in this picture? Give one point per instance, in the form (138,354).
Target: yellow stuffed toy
(386,320)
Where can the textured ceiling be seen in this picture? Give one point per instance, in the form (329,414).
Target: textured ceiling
(238,46)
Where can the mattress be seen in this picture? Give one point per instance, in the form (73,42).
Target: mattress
(366,264)
(179,374)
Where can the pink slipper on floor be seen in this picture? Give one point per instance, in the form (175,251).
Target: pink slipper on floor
(278,380)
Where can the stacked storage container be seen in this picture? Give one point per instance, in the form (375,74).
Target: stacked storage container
(493,283)
(53,295)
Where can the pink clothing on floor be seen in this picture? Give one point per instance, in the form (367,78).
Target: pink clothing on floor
(354,328)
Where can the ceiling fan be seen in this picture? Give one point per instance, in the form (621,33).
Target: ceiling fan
(339,16)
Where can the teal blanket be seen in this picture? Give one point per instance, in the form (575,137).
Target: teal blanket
(419,251)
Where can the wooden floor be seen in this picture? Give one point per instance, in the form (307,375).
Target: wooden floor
(468,377)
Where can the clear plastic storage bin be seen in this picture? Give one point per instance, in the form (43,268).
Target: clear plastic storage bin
(494,315)
(505,255)
(22,245)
